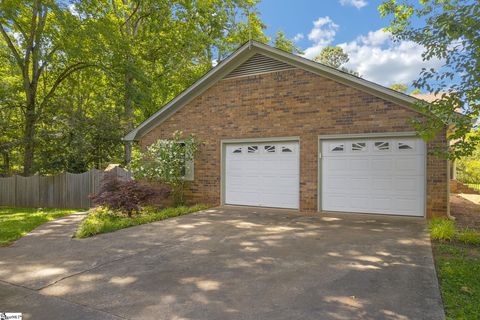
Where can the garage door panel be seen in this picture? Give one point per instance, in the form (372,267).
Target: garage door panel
(359,164)
(383,183)
(411,164)
(271,174)
(336,183)
(407,184)
(359,204)
(337,164)
(335,202)
(381,165)
(384,175)
(359,183)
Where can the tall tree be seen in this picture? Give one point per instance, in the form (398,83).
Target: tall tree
(332,56)
(36,34)
(155,49)
(447,30)
(97,68)
(335,57)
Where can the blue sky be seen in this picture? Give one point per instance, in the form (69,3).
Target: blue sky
(356,26)
(297,16)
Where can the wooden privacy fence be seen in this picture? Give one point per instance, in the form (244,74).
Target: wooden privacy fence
(66,190)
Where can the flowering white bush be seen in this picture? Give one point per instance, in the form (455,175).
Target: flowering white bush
(166,161)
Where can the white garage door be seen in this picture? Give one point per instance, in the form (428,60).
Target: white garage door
(385,176)
(262,174)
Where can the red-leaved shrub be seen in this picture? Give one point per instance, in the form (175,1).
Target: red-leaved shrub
(127,196)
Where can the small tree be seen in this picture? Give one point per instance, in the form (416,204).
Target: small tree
(126,196)
(168,162)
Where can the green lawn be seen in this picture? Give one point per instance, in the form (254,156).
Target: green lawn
(101,220)
(17,222)
(457,260)
(458,268)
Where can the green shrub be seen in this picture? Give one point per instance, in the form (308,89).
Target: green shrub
(103,220)
(442,229)
(469,236)
(168,162)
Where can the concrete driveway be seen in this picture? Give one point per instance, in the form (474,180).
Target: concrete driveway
(226,263)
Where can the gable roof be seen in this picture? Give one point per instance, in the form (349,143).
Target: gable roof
(231,65)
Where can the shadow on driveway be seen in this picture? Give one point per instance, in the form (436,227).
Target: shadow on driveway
(228,263)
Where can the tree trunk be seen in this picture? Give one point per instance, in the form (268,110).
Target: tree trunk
(29,135)
(6,163)
(128,111)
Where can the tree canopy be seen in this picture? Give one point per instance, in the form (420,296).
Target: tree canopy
(77,75)
(447,30)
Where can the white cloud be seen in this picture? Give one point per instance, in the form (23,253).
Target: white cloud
(298,37)
(377,58)
(322,34)
(355,3)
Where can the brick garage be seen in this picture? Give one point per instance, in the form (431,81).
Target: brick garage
(287,100)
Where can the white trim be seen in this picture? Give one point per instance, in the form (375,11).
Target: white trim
(367,135)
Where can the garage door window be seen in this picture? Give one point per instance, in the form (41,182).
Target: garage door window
(237,151)
(382,146)
(252,149)
(270,149)
(405,146)
(287,149)
(337,147)
(359,146)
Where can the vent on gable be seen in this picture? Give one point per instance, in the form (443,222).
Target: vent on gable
(258,64)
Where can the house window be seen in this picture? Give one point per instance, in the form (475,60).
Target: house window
(382,145)
(252,149)
(404,146)
(286,149)
(359,146)
(337,147)
(187,168)
(269,149)
(237,150)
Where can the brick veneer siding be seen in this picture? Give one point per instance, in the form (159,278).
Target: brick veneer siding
(289,103)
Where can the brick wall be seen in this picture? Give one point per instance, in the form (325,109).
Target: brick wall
(289,103)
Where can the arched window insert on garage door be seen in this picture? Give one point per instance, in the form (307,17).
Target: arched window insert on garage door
(381,145)
(402,145)
(359,146)
(269,149)
(252,149)
(337,147)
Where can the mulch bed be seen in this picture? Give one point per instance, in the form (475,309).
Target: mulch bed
(466,212)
